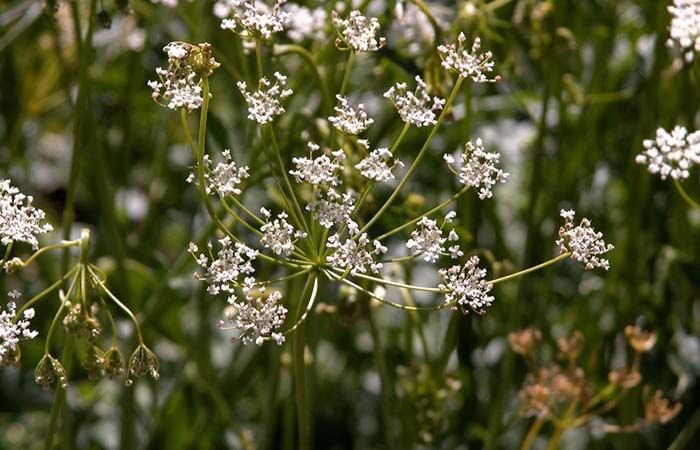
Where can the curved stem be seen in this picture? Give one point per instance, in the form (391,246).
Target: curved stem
(121,305)
(427,213)
(281,50)
(418,159)
(531,269)
(688,199)
(48,248)
(396,283)
(45,292)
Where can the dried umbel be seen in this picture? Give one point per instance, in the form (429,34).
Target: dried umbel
(50,372)
(114,363)
(143,362)
(80,323)
(570,347)
(94,362)
(640,340)
(659,409)
(524,342)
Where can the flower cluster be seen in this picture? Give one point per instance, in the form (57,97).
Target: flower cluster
(358,32)
(478,168)
(252,18)
(226,176)
(466,286)
(257,316)
(264,104)
(334,209)
(13,329)
(474,65)
(223,272)
(671,154)
(349,120)
(685,27)
(428,240)
(416,108)
(584,243)
(321,170)
(355,255)
(279,235)
(180,84)
(378,164)
(305,23)
(20,221)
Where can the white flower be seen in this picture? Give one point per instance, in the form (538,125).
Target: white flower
(224,271)
(685,27)
(322,170)
(279,235)
(180,84)
(335,209)
(416,108)
(479,168)
(256,317)
(378,164)
(671,154)
(20,221)
(305,23)
(585,244)
(356,255)
(264,104)
(466,286)
(226,176)
(348,120)
(13,329)
(474,65)
(427,239)
(252,18)
(358,32)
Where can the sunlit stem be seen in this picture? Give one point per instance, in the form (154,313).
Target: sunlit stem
(688,199)
(45,292)
(116,301)
(419,157)
(427,213)
(549,262)
(336,277)
(532,434)
(252,215)
(233,214)
(48,248)
(309,307)
(396,283)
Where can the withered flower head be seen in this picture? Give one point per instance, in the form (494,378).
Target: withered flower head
(570,347)
(114,363)
(143,362)
(524,341)
(640,340)
(94,362)
(49,372)
(659,409)
(625,377)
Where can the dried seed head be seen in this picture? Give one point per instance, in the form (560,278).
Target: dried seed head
(659,409)
(570,347)
(143,362)
(525,341)
(114,364)
(49,372)
(625,377)
(80,323)
(94,362)
(640,340)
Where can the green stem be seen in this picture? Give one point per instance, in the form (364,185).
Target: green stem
(532,434)
(346,73)
(688,199)
(45,292)
(555,439)
(418,159)
(60,395)
(48,248)
(303,411)
(531,269)
(281,50)
(121,305)
(427,213)
(380,363)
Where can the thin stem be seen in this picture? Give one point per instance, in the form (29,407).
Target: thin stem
(60,395)
(380,363)
(688,199)
(45,292)
(303,411)
(346,73)
(48,248)
(418,159)
(121,305)
(8,252)
(532,434)
(252,215)
(396,283)
(531,269)
(309,307)
(57,316)
(281,50)
(555,439)
(258,58)
(427,213)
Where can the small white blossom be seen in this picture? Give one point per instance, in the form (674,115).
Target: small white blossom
(305,23)
(378,164)
(685,27)
(279,235)
(348,120)
(416,108)
(179,85)
(13,329)
(358,32)
(479,168)
(20,221)
(585,244)
(474,65)
(256,317)
(264,104)
(334,209)
(321,170)
(671,154)
(223,272)
(252,18)
(356,255)
(227,176)
(427,239)
(466,286)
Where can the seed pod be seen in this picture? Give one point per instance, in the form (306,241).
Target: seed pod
(114,363)
(49,372)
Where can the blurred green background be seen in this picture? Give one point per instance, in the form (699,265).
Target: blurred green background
(584,82)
